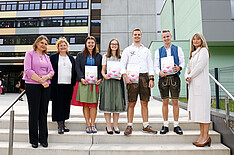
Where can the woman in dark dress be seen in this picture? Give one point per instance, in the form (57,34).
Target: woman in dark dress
(21,83)
(62,84)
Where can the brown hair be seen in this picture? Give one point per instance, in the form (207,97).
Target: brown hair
(60,41)
(109,51)
(164,31)
(137,29)
(95,49)
(40,38)
(203,43)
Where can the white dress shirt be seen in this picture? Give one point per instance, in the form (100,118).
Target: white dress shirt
(64,70)
(140,56)
(156,58)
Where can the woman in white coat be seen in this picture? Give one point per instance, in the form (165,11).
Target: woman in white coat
(197,76)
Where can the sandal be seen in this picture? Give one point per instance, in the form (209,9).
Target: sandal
(89,129)
(93,129)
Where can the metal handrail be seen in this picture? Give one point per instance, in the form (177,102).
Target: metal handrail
(17,99)
(226,99)
(225,90)
(11,129)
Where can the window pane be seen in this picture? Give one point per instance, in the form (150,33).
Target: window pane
(43,6)
(67,5)
(13,7)
(37,6)
(72,40)
(66,23)
(25,6)
(31,6)
(21,6)
(85,5)
(60,5)
(78,5)
(55,6)
(1,41)
(3,7)
(8,7)
(96,6)
(232,8)
(53,40)
(78,22)
(49,6)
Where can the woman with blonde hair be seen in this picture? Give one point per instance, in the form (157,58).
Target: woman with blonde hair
(197,77)
(37,74)
(62,84)
(112,96)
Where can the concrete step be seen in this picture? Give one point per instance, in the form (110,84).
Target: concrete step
(21,135)
(78,124)
(137,137)
(24,148)
(158,149)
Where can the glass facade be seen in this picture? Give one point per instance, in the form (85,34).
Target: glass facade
(43,5)
(43,22)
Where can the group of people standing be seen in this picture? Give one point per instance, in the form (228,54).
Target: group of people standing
(61,78)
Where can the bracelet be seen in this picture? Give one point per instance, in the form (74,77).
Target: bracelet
(151,79)
(181,68)
(48,76)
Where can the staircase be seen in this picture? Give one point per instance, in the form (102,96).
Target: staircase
(78,142)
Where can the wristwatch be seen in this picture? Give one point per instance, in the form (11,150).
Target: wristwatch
(181,68)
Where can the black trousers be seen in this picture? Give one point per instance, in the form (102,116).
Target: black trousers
(38,100)
(61,101)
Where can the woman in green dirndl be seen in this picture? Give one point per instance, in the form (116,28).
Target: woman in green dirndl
(112,93)
(86,94)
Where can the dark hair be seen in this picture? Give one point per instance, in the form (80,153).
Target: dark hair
(40,38)
(95,49)
(109,51)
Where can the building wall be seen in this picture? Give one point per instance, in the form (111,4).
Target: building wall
(166,15)
(188,18)
(119,18)
(218,24)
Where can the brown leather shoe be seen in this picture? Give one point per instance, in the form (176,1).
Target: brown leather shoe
(128,131)
(207,142)
(149,129)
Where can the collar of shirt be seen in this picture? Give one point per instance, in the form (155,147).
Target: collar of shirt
(136,46)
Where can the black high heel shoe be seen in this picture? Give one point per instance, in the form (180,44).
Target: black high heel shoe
(109,132)
(117,131)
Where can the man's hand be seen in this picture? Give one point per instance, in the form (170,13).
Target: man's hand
(162,74)
(151,84)
(127,79)
(176,68)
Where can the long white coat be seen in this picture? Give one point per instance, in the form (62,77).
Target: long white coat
(199,87)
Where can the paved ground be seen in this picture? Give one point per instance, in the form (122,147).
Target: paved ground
(22,108)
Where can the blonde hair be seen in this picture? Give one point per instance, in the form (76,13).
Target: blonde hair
(60,41)
(40,38)
(203,43)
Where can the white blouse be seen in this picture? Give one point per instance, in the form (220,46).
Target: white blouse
(64,70)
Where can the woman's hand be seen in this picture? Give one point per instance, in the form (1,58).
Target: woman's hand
(106,77)
(44,78)
(118,78)
(188,79)
(99,82)
(83,81)
(45,84)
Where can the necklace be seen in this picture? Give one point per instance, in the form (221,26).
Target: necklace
(41,57)
(64,64)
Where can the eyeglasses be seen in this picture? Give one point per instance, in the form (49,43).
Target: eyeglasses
(114,44)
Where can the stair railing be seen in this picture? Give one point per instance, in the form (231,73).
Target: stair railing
(11,129)
(228,95)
